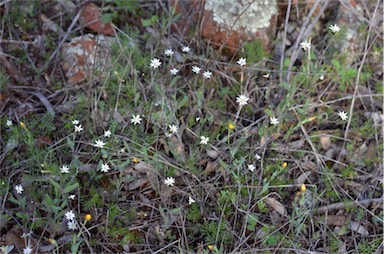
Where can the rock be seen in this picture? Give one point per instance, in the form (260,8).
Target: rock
(91,18)
(86,55)
(229,23)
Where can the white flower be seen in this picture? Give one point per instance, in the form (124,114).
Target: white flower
(251,167)
(136,119)
(78,128)
(27,250)
(99,143)
(186,49)
(8,123)
(75,122)
(64,169)
(266,75)
(305,45)
(174,71)
(70,216)
(207,74)
(168,52)
(105,168)
(71,225)
(274,120)
(322,77)
(191,200)
(242,61)
(170,181)
(204,140)
(155,63)
(343,115)
(173,128)
(198,119)
(19,189)
(196,69)
(72,197)
(334,28)
(107,133)
(242,100)
(257,157)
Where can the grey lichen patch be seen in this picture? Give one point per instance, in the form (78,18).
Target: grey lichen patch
(250,15)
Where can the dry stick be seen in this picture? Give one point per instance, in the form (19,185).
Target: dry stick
(304,31)
(340,205)
(358,76)
(284,38)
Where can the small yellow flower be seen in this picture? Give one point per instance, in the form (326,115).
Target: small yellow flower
(22,124)
(284,165)
(135,160)
(303,188)
(231,126)
(210,247)
(52,241)
(88,217)
(312,118)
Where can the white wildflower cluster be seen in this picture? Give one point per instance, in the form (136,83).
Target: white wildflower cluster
(77,125)
(71,220)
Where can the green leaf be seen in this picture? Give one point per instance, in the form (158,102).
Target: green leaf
(269,112)
(56,185)
(70,188)
(335,64)
(70,144)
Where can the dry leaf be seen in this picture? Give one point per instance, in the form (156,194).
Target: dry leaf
(336,220)
(303,177)
(276,205)
(358,228)
(177,149)
(213,154)
(325,142)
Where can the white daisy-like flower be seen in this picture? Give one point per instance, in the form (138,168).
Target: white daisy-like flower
(196,69)
(305,45)
(155,63)
(136,119)
(8,123)
(107,133)
(204,140)
(71,225)
(242,61)
(174,71)
(343,115)
(274,120)
(207,74)
(99,143)
(168,52)
(186,49)
(266,75)
(191,200)
(257,157)
(19,189)
(251,167)
(105,168)
(322,77)
(75,122)
(27,250)
(242,100)
(70,216)
(198,119)
(334,28)
(169,181)
(173,128)
(72,197)
(64,169)
(78,128)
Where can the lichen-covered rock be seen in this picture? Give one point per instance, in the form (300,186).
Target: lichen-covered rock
(85,56)
(228,23)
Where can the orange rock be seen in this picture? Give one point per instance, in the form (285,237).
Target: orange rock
(91,18)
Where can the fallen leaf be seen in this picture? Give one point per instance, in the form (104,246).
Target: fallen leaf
(276,205)
(336,220)
(91,18)
(303,177)
(325,142)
